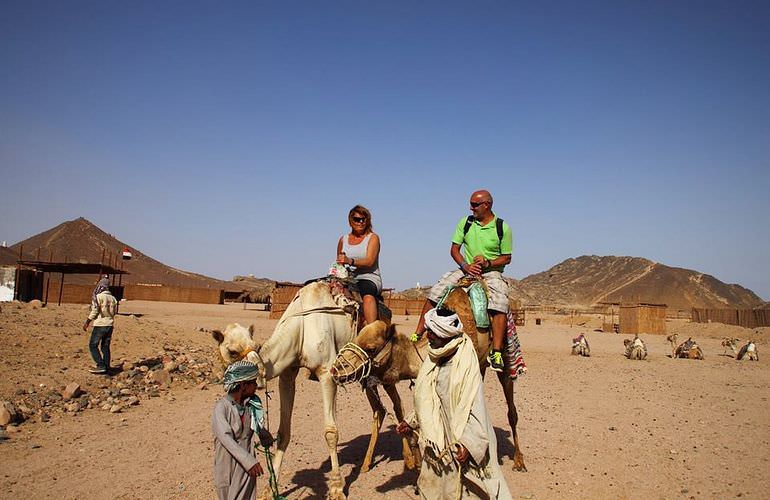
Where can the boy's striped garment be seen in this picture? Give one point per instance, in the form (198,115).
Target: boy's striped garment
(513,349)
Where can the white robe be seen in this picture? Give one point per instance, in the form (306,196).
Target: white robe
(481,477)
(233,451)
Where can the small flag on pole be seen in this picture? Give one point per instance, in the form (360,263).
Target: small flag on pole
(127,254)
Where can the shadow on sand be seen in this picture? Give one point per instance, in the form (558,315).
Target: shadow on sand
(312,482)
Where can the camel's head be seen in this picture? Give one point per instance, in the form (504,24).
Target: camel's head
(236,342)
(673,338)
(354,359)
(728,342)
(627,342)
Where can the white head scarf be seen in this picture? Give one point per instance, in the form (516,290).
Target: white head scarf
(445,327)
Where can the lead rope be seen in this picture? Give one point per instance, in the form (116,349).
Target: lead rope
(273,480)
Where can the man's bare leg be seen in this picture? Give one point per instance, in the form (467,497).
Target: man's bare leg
(496,362)
(420,329)
(498,329)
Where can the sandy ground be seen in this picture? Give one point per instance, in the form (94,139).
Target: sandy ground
(598,427)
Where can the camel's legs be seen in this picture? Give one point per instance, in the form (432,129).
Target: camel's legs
(513,418)
(378,415)
(329,392)
(286,390)
(409,457)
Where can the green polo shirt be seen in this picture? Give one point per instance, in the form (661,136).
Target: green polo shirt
(483,240)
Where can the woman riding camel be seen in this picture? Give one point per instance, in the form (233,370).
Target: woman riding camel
(361,251)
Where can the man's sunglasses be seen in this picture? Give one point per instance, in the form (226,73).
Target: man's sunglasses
(477,204)
(359,219)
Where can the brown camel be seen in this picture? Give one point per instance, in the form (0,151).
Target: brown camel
(731,344)
(689,349)
(380,354)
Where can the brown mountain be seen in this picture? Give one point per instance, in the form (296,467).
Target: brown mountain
(80,240)
(8,257)
(590,279)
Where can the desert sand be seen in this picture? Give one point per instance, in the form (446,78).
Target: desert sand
(598,427)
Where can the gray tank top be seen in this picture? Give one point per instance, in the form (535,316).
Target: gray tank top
(358,252)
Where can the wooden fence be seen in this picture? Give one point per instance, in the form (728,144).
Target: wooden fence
(81,294)
(747,318)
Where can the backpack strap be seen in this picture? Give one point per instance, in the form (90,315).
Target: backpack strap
(468,223)
(498,223)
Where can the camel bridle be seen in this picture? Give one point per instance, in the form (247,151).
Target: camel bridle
(361,366)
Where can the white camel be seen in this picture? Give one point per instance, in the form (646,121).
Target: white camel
(635,348)
(309,334)
(748,351)
(580,346)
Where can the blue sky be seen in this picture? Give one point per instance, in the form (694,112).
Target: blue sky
(232,137)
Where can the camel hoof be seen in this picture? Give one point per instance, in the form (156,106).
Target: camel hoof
(365,468)
(335,490)
(518,464)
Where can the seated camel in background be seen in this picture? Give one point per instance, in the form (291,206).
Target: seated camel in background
(689,349)
(380,354)
(311,331)
(580,346)
(731,344)
(749,352)
(635,348)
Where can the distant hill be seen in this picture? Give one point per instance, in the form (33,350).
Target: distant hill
(590,279)
(80,240)
(8,257)
(256,289)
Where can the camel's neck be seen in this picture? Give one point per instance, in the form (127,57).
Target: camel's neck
(282,349)
(412,353)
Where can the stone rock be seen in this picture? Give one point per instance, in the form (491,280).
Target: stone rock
(73,407)
(106,406)
(127,365)
(160,377)
(44,417)
(132,401)
(9,414)
(71,391)
(202,386)
(144,369)
(125,392)
(170,366)
(115,409)
(34,304)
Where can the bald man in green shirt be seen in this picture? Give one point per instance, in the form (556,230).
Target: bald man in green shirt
(481,247)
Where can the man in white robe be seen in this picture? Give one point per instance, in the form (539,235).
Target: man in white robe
(456,436)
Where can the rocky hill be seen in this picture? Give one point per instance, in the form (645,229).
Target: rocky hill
(590,279)
(8,257)
(255,289)
(80,240)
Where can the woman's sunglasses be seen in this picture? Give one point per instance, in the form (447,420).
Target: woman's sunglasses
(359,219)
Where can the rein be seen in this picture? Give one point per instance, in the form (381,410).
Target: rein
(350,372)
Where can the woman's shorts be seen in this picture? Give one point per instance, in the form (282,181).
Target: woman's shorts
(366,287)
